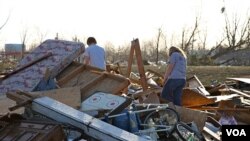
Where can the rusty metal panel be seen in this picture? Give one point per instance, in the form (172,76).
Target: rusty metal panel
(191,98)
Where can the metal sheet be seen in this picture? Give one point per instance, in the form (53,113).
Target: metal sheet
(245,80)
(91,126)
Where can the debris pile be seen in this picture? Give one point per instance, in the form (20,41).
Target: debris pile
(49,96)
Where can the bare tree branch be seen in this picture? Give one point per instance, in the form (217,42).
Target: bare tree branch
(6,21)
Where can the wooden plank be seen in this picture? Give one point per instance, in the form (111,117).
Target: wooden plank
(140,65)
(22,104)
(239,92)
(70,96)
(130,60)
(79,76)
(17,97)
(6,103)
(68,69)
(122,85)
(70,75)
(85,88)
(104,84)
(91,79)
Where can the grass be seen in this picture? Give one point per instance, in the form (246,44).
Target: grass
(207,74)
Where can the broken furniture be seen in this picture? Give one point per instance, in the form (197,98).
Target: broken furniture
(91,79)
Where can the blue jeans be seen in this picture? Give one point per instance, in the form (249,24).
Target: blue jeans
(172,90)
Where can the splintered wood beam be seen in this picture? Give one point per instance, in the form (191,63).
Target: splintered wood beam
(17,97)
(22,99)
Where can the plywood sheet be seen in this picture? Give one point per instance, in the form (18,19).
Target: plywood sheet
(67,70)
(107,83)
(80,75)
(70,96)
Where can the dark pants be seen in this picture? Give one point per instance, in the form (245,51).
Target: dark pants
(172,90)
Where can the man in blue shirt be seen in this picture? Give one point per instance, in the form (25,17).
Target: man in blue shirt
(94,55)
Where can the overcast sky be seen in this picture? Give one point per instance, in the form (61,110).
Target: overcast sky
(116,21)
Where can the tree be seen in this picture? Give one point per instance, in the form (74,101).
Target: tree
(6,21)
(23,37)
(148,50)
(236,35)
(40,35)
(157,44)
(110,52)
(188,38)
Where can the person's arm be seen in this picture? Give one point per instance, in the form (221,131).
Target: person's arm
(86,60)
(170,67)
(168,72)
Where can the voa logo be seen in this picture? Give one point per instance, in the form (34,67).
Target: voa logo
(236,132)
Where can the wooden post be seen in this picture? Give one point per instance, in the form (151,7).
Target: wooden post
(135,47)
(130,60)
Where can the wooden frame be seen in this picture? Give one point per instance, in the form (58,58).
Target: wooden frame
(91,79)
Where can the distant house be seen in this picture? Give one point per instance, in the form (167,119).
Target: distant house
(13,48)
